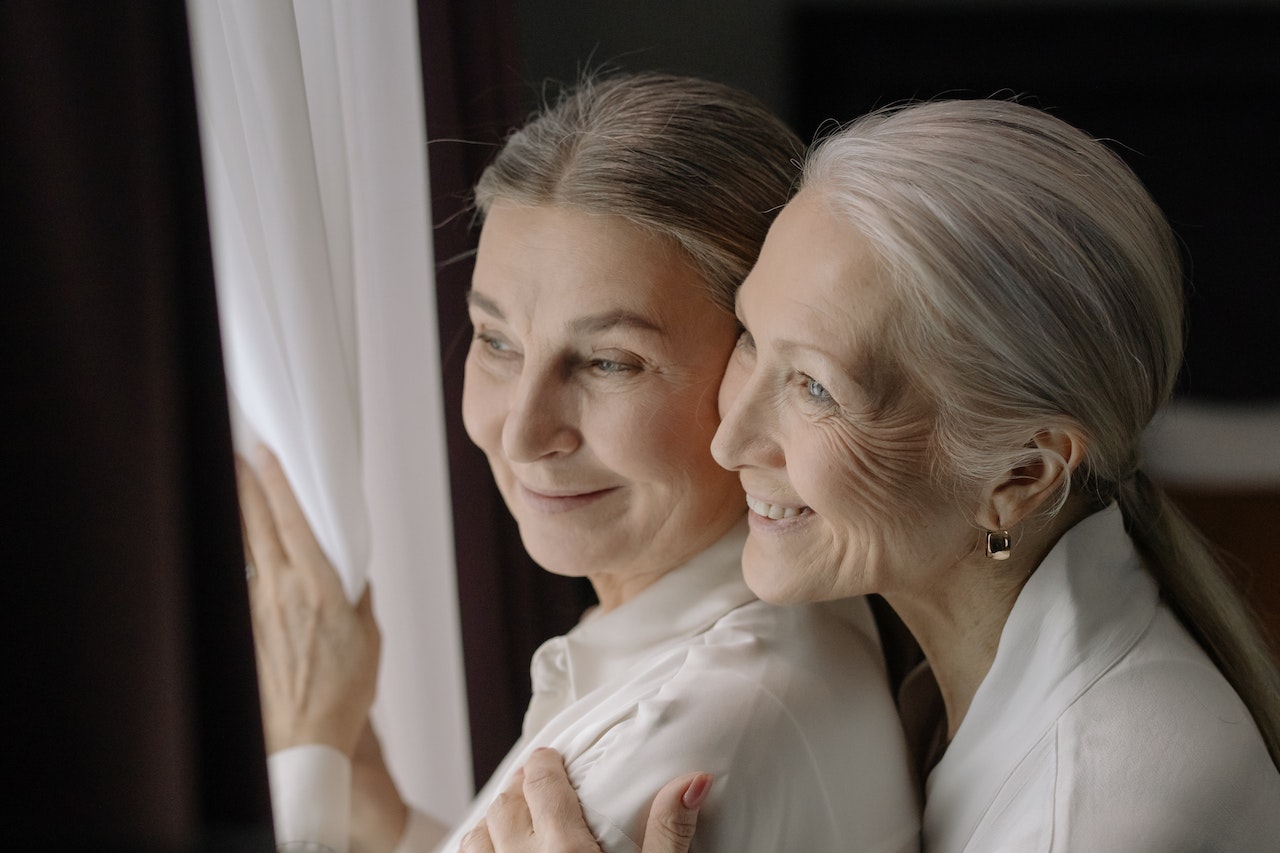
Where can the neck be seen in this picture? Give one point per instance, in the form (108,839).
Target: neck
(958,627)
(615,590)
(958,614)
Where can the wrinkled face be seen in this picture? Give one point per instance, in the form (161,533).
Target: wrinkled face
(831,445)
(591,386)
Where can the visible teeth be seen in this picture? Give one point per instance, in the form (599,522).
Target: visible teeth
(773,511)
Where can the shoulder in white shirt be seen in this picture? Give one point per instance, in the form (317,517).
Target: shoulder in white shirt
(1102,725)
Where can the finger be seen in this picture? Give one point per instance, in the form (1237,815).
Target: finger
(295,532)
(296,536)
(364,612)
(507,821)
(259,527)
(553,803)
(477,840)
(674,814)
(250,570)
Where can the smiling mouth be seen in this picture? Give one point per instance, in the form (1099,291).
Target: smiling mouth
(775,512)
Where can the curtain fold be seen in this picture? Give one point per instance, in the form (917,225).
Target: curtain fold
(314,141)
(277,174)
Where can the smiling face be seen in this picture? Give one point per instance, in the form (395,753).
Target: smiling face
(832,444)
(591,387)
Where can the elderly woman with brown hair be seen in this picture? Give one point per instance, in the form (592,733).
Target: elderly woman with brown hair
(954,338)
(617,225)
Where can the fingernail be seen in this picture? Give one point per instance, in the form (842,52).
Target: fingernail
(697,791)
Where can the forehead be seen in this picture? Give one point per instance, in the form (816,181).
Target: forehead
(817,279)
(571,261)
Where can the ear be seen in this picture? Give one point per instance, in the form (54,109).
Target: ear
(1052,456)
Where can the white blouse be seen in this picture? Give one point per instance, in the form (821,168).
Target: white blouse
(1101,725)
(788,707)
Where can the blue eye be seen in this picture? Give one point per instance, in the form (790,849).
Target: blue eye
(815,389)
(612,366)
(493,343)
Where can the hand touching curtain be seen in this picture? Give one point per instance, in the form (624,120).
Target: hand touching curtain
(311,122)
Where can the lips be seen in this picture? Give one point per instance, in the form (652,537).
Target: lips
(561,501)
(775,512)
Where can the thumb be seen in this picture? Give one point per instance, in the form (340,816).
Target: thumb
(674,814)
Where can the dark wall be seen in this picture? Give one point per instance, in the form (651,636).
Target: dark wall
(738,42)
(130,704)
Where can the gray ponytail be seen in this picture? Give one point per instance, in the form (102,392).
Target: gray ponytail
(1191,580)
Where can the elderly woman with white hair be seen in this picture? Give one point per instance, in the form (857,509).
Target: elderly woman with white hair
(954,337)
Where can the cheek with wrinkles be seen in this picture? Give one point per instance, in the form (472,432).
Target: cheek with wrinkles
(679,412)
(693,398)
(877,468)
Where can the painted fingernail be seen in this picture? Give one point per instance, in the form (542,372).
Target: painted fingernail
(697,791)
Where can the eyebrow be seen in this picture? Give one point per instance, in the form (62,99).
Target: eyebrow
(787,345)
(596,323)
(591,324)
(485,304)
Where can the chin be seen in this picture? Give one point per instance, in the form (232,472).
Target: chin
(797,578)
(768,580)
(559,557)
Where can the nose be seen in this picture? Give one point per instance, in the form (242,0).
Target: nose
(541,421)
(748,422)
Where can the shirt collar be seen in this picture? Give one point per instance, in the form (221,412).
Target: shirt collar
(1082,609)
(680,604)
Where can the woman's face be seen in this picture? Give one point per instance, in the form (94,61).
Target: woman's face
(591,386)
(831,445)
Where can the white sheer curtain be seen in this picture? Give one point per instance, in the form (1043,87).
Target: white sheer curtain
(314,145)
